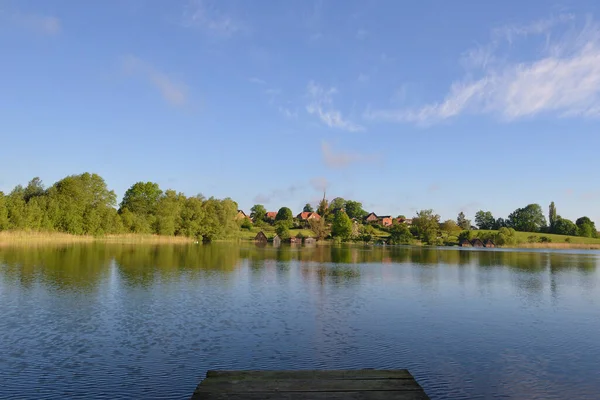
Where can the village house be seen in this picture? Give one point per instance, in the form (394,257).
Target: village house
(372,217)
(477,243)
(271,215)
(407,221)
(489,243)
(384,220)
(295,240)
(241,215)
(276,241)
(307,216)
(261,238)
(309,241)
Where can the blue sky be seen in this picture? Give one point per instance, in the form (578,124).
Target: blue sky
(455,106)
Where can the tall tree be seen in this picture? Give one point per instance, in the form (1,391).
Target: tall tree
(462,221)
(400,234)
(342,226)
(564,226)
(484,220)
(319,228)
(3,212)
(528,219)
(34,188)
(308,208)
(257,213)
(323,209)
(355,210)
(586,227)
(285,216)
(552,216)
(142,198)
(426,226)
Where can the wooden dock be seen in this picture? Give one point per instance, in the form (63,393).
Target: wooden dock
(366,384)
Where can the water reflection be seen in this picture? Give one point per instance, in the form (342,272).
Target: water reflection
(122,321)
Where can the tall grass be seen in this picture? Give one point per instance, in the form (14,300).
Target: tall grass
(26,238)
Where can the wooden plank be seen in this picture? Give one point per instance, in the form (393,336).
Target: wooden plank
(372,395)
(306,385)
(312,374)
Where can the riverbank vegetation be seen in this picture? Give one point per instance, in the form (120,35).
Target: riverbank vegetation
(82,208)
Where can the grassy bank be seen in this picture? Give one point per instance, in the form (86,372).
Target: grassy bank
(23,238)
(523,238)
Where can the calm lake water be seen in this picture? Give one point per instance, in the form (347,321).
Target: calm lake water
(122,321)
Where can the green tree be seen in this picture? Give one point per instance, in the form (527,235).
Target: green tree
(319,228)
(142,198)
(34,188)
(257,213)
(552,216)
(586,227)
(355,210)
(285,215)
(399,234)
(500,223)
(450,227)
(3,212)
(17,208)
(528,219)
(426,226)
(466,235)
(168,213)
(342,226)
(505,237)
(282,229)
(323,209)
(462,221)
(564,226)
(337,204)
(484,220)
(308,208)
(192,217)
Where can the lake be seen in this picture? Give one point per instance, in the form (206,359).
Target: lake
(131,321)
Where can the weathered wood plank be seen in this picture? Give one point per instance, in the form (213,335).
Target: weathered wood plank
(312,374)
(371,395)
(306,385)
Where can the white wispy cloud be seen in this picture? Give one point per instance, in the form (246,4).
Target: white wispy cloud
(279,195)
(288,113)
(44,24)
(343,159)
(205,14)
(175,93)
(563,77)
(321,105)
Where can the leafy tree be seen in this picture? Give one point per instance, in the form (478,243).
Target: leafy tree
(192,217)
(528,219)
(337,204)
(505,236)
(426,226)
(342,226)
(484,220)
(323,209)
(142,198)
(285,216)
(34,188)
(564,226)
(308,208)
(257,213)
(319,227)
(401,216)
(462,221)
(466,235)
(3,212)
(354,210)
(450,227)
(400,234)
(500,223)
(168,213)
(282,229)
(552,216)
(586,227)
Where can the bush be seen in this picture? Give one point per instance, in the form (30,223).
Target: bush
(568,240)
(532,239)
(545,239)
(246,224)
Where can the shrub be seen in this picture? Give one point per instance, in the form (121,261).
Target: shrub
(246,224)
(545,239)
(532,239)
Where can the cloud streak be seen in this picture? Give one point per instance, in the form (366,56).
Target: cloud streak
(340,159)
(44,24)
(206,16)
(563,79)
(321,105)
(173,92)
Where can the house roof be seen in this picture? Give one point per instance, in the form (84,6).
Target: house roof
(385,216)
(271,214)
(308,214)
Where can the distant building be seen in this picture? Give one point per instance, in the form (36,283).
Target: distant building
(295,240)
(489,243)
(372,217)
(307,216)
(276,241)
(385,220)
(241,215)
(260,237)
(465,243)
(271,215)
(309,241)
(477,243)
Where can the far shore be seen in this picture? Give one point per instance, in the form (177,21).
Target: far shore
(24,238)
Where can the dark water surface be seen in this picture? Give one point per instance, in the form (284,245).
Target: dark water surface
(119,321)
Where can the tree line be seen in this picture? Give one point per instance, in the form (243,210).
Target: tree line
(83,205)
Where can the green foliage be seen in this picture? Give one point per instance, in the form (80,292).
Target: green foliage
(354,210)
(337,204)
(284,215)
(426,226)
(466,235)
(484,220)
(552,217)
(462,221)
(586,227)
(319,228)
(342,226)
(500,223)
(528,219)
(34,188)
(142,198)
(257,213)
(450,227)
(246,224)
(3,212)
(323,209)
(308,208)
(564,226)
(400,234)
(282,229)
